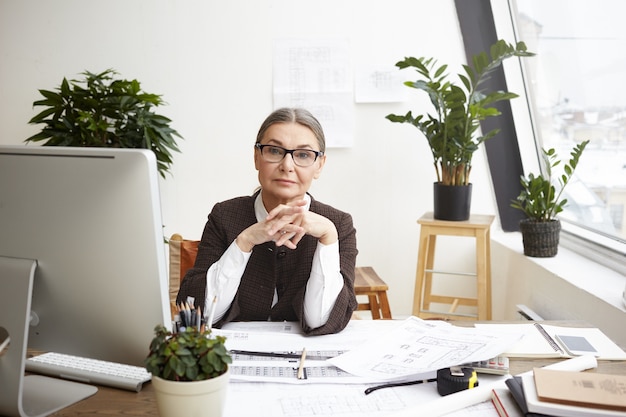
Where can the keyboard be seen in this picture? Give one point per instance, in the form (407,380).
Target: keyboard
(91,371)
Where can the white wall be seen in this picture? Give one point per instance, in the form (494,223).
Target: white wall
(212,62)
(566,287)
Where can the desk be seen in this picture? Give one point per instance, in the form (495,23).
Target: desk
(113,402)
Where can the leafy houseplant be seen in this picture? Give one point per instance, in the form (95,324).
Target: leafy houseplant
(541,202)
(189,355)
(102,111)
(189,372)
(451,131)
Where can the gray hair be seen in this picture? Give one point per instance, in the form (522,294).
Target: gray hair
(294,115)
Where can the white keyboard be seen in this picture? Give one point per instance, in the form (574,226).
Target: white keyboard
(91,371)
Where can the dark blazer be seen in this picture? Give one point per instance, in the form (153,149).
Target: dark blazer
(271,267)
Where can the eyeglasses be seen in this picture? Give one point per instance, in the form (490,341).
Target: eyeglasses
(301,157)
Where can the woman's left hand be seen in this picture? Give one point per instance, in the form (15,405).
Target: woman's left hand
(296,223)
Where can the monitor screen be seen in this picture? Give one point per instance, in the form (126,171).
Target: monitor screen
(91,218)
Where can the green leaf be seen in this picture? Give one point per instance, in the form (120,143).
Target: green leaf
(102,110)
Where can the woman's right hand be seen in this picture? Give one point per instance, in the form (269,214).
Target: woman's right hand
(281,225)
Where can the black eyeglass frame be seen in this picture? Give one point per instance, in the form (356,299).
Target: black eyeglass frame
(260,147)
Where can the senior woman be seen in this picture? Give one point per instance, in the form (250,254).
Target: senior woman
(278,254)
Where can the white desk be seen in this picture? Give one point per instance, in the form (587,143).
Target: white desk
(346,400)
(288,400)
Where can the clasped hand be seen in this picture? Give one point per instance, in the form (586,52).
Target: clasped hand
(286,224)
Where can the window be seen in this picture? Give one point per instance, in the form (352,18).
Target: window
(577,92)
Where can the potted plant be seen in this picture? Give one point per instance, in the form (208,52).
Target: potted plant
(541,202)
(189,372)
(103,111)
(452,131)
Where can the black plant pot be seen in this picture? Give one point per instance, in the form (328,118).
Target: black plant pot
(541,239)
(452,202)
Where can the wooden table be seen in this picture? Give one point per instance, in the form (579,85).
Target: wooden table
(115,402)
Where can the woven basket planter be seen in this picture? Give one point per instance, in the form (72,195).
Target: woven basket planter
(541,239)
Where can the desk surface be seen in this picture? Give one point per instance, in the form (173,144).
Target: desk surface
(114,402)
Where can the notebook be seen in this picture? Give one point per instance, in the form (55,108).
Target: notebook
(585,389)
(540,340)
(535,405)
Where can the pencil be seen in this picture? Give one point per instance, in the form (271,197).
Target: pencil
(301,367)
(212,315)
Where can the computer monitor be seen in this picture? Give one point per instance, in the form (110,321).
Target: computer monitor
(91,218)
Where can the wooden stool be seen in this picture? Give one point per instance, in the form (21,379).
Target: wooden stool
(478,226)
(367,282)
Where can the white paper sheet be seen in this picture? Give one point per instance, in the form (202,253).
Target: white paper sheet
(325,400)
(419,346)
(288,338)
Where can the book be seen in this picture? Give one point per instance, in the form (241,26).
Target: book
(504,403)
(514,385)
(585,389)
(540,340)
(535,405)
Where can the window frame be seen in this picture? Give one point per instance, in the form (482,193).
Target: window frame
(482,22)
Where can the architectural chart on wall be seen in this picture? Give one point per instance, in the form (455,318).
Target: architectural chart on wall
(316,74)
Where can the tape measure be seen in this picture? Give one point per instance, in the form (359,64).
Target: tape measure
(455,379)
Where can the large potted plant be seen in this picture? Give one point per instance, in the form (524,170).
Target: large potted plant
(541,202)
(190,372)
(452,131)
(104,111)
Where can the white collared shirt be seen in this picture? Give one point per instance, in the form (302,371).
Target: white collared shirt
(322,289)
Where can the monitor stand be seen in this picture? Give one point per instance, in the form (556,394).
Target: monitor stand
(32,395)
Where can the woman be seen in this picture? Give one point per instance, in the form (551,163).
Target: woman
(278,254)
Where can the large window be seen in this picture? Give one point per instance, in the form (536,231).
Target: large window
(578,91)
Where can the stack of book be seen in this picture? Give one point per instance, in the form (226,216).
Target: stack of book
(549,392)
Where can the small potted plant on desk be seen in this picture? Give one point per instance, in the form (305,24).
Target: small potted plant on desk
(452,131)
(190,372)
(541,202)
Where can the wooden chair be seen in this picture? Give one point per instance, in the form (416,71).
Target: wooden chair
(477,227)
(367,283)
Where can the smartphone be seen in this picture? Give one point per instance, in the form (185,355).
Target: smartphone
(576,345)
(4,339)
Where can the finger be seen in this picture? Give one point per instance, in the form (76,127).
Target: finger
(285,210)
(297,237)
(289,237)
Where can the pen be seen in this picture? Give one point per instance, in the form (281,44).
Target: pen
(194,318)
(287,355)
(301,373)
(398,384)
(188,314)
(183,318)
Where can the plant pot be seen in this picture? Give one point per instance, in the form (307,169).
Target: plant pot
(540,239)
(452,202)
(198,398)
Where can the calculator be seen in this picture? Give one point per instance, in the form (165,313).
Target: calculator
(497,366)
